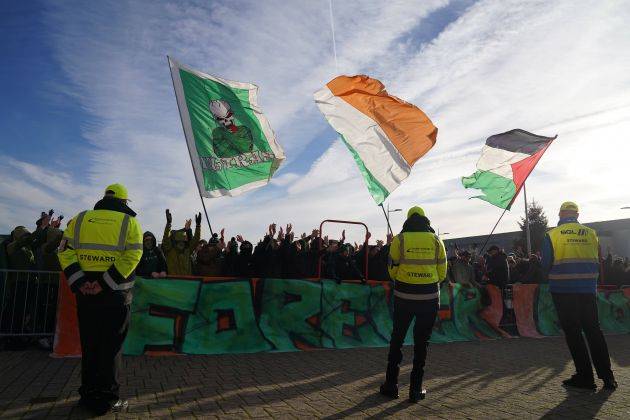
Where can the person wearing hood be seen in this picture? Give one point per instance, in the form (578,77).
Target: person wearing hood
(46,255)
(209,261)
(19,250)
(244,259)
(99,253)
(153,263)
(16,313)
(178,246)
(417,265)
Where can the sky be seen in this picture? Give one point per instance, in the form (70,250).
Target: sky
(87,100)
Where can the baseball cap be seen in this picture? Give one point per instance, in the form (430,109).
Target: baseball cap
(415,210)
(117,191)
(569,206)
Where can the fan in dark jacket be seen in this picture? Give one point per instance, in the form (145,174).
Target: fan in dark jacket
(153,262)
(497,266)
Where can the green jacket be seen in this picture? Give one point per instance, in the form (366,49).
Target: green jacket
(20,250)
(179,261)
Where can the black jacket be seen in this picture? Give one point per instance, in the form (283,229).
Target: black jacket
(153,260)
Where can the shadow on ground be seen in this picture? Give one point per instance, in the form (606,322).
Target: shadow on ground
(508,377)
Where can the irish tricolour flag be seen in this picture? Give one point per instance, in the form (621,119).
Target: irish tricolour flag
(506,161)
(385,134)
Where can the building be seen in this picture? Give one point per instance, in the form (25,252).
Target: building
(614,236)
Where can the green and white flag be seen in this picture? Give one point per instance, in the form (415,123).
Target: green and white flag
(232,146)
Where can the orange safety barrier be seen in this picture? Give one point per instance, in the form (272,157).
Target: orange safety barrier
(67,342)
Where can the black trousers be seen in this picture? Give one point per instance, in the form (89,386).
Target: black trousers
(404,312)
(577,313)
(103,329)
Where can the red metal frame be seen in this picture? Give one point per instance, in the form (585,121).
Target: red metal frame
(319,244)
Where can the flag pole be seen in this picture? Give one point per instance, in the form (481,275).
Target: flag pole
(189,154)
(527,231)
(389,227)
(492,231)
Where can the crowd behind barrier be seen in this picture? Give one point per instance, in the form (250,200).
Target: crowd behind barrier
(280,254)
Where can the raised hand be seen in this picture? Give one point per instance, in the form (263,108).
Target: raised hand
(188,223)
(44,222)
(315,233)
(55,223)
(281,234)
(343,236)
(222,234)
(289,228)
(239,238)
(169,217)
(198,219)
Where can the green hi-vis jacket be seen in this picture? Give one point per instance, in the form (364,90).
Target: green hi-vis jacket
(103,241)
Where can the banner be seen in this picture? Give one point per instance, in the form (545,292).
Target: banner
(231,144)
(210,316)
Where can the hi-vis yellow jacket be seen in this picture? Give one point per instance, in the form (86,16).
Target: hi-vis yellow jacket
(417,259)
(104,241)
(575,255)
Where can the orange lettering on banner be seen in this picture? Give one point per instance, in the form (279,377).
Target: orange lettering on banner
(493,313)
(67,342)
(523,296)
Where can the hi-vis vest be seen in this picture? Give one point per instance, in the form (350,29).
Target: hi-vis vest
(575,254)
(101,241)
(417,263)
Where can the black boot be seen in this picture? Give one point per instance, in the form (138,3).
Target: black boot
(577,381)
(390,387)
(610,383)
(416,393)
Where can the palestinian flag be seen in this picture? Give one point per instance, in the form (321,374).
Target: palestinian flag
(506,161)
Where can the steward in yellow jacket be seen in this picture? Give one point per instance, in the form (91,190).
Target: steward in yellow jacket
(99,252)
(571,258)
(417,265)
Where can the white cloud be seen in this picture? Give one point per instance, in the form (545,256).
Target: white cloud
(549,67)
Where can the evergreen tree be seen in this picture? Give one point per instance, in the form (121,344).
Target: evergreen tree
(538,225)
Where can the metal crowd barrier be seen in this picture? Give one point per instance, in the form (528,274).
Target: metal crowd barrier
(28,303)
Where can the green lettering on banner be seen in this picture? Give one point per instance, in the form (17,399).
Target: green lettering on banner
(445,330)
(467,321)
(347,315)
(290,314)
(546,315)
(154,313)
(613,308)
(224,321)
(196,317)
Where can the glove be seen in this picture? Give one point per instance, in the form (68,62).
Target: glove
(198,219)
(169,218)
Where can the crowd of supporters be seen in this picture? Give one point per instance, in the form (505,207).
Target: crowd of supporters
(281,253)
